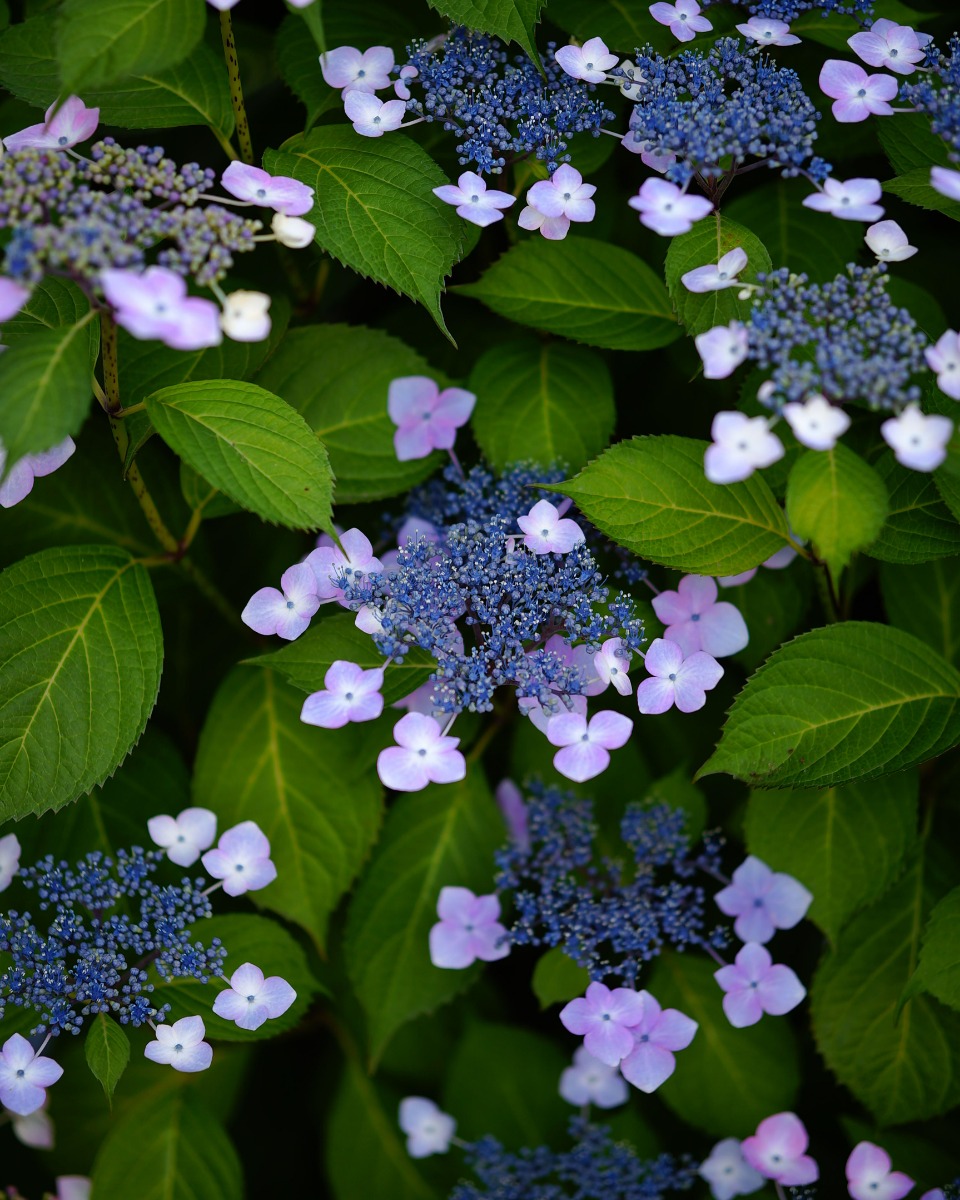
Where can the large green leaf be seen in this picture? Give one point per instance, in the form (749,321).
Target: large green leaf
(919,526)
(911,144)
(837,502)
(80,657)
(915,187)
(846,845)
(251,445)
(99,41)
(649,494)
(622,26)
(512,20)
(583,289)
(313,792)
(168,1147)
(297,61)
(337,377)
(727,1080)
(852,701)
(107,1050)
(442,835)
(705,244)
(306,660)
(938,971)
(924,599)
(53,303)
(530,403)
(375,210)
(903,1065)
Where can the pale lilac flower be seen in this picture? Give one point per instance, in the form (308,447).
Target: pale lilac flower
(335,568)
(763,901)
(716,276)
(372,117)
(474,201)
(675,679)
(73,1187)
(9,859)
(241,859)
(24,1076)
(869,1176)
(740,445)
(250,999)
(181,1046)
(766,31)
(18,481)
(722,349)
(590,1081)
(918,441)
(682,19)
(245,316)
(755,985)
(186,836)
(62,128)
(666,208)
(553,203)
(728,1172)
(35,1129)
(345,67)
(944,360)
(696,620)
(589,62)
(934,1194)
(428,1130)
(540,717)
(422,755)
(469,928)
(851,200)
(350,694)
(13,296)
(887,44)
(604,1018)
(546,532)
(154,304)
(888,242)
(816,423)
(293,232)
(946,182)
(855,94)
(400,89)
(279,192)
(418,529)
(285,613)
(426,418)
(656,1036)
(511,804)
(609,664)
(776,1150)
(585,747)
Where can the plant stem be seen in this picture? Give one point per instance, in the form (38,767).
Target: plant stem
(236,90)
(108,351)
(144,499)
(827,592)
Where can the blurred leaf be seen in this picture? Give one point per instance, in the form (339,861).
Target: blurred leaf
(938,971)
(773,604)
(53,304)
(107,1049)
(910,143)
(919,526)
(557,978)
(623,27)
(915,188)
(299,68)
(925,600)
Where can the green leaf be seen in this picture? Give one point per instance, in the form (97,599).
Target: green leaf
(53,304)
(852,701)
(557,978)
(706,243)
(649,494)
(835,32)
(375,210)
(902,1067)
(793,235)
(727,1080)
(336,377)
(773,604)
(297,60)
(911,144)
(938,971)
(441,836)
(846,845)
(502,1082)
(168,1147)
(313,792)
(582,289)
(919,526)
(44,389)
(305,661)
(925,601)
(99,41)
(531,403)
(107,1050)
(915,188)
(251,446)
(622,26)
(512,20)
(947,477)
(199,494)
(247,939)
(80,657)
(837,502)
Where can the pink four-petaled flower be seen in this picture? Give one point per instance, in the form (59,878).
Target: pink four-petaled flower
(422,755)
(250,1000)
(716,276)
(349,694)
(185,836)
(62,128)
(18,482)
(604,1018)
(696,620)
(241,859)
(181,1046)
(887,44)
(546,532)
(335,568)
(855,94)
(589,62)
(777,1151)
(372,117)
(754,984)
(658,1034)
(766,31)
(154,304)
(682,19)
(473,200)
(763,901)
(667,209)
(869,1175)
(740,445)
(553,203)
(590,1081)
(426,418)
(943,359)
(287,612)
(256,186)
(585,747)
(347,68)
(676,679)
(428,1129)
(850,200)
(469,928)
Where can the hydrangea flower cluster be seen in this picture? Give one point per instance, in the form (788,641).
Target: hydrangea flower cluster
(607,916)
(790,10)
(698,108)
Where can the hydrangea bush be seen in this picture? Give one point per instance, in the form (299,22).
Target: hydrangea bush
(479,606)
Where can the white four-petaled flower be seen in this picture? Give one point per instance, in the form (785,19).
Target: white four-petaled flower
(181,1046)
(816,422)
(918,440)
(589,62)
(185,836)
(250,1000)
(473,200)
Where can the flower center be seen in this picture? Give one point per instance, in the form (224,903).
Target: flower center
(893,54)
(361,73)
(694,616)
(862,92)
(585,737)
(845,200)
(474,199)
(722,275)
(250,999)
(289,604)
(21,1073)
(178,1047)
(376,120)
(566,195)
(348,695)
(238,866)
(261,192)
(672,677)
(422,753)
(62,141)
(644,1037)
(181,838)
